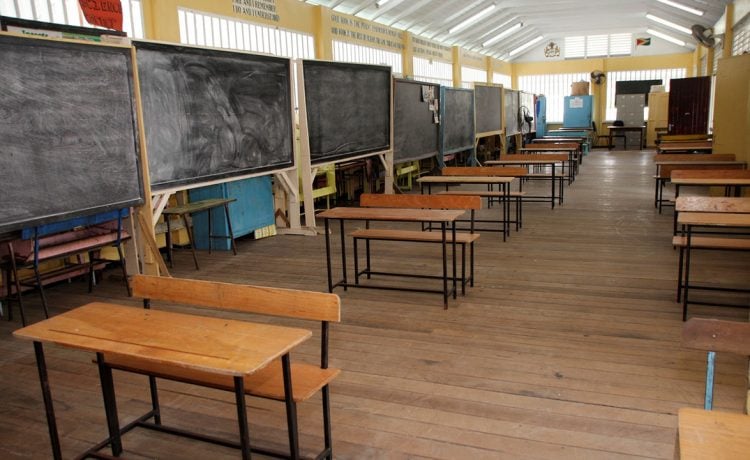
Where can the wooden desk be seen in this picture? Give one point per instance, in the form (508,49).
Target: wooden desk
(690,220)
(697,146)
(215,345)
(185,210)
(664,168)
(444,217)
(733,182)
(538,160)
(613,130)
(706,435)
(575,155)
(503,182)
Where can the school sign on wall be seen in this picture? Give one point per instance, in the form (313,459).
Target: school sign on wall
(264,9)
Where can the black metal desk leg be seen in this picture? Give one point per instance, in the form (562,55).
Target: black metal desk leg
(453,245)
(229,227)
(553,188)
(674,214)
(343,251)
(328,255)
(445,265)
(210,230)
(291,408)
(110,404)
(686,286)
(47,397)
(191,237)
(239,396)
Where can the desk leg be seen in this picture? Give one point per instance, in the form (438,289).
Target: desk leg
(239,396)
(47,397)
(453,244)
(191,238)
(687,273)
(229,227)
(553,188)
(609,145)
(328,254)
(343,251)
(110,404)
(445,265)
(168,238)
(291,408)
(210,227)
(674,214)
(561,184)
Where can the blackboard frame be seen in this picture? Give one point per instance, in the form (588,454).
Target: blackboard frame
(288,160)
(480,103)
(511,101)
(314,131)
(414,108)
(469,131)
(111,176)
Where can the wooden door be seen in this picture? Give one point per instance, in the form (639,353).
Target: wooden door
(689,100)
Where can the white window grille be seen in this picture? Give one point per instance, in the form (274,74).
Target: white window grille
(350,52)
(555,87)
(69,13)
(501,79)
(201,29)
(598,46)
(469,75)
(433,71)
(665,75)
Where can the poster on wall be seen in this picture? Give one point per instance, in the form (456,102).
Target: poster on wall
(103,13)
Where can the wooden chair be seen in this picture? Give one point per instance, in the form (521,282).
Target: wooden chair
(307,379)
(714,335)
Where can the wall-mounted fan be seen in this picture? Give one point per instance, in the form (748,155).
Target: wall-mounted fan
(524,117)
(704,35)
(597,76)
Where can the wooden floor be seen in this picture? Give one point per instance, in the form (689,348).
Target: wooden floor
(568,346)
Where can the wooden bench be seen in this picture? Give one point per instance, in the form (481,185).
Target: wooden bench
(59,241)
(712,335)
(666,163)
(306,379)
(494,195)
(469,203)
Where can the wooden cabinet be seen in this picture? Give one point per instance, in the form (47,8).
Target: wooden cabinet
(732,107)
(658,115)
(689,100)
(252,210)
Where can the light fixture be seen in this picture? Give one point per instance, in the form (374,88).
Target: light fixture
(681,7)
(668,23)
(666,37)
(467,22)
(526,45)
(502,34)
(380,3)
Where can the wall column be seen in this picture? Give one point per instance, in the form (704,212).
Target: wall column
(323,37)
(456,52)
(407,57)
(728,31)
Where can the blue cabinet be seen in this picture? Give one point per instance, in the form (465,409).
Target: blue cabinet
(541,115)
(252,210)
(578,111)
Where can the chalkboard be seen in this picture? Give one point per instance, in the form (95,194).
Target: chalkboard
(68,133)
(415,132)
(489,104)
(211,114)
(512,104)
(456,119)
(348,109)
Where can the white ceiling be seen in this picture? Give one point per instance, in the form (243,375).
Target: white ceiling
(554,19)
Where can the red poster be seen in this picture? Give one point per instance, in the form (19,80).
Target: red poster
(104,13)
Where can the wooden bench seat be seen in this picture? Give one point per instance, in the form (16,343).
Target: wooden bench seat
(412,235)
(307,379)
(492,194)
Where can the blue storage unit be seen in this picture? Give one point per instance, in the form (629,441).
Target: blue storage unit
(252,210)
(541,115)
(578,111)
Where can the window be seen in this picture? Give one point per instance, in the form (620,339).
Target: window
(208,30)
(741,40)
(598,46)
(654,74)
(68,12)
(349,52)
(555,87)
(433,71)
(469,75)
(501,79)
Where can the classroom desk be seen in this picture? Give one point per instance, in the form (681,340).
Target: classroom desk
(661,178)
(706,434)
(503,182)
(621,131)
(714,220)
(699,146)
(184,210)
(217,345)
(445,217)
(573,150)
(538,162)
(733,182)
